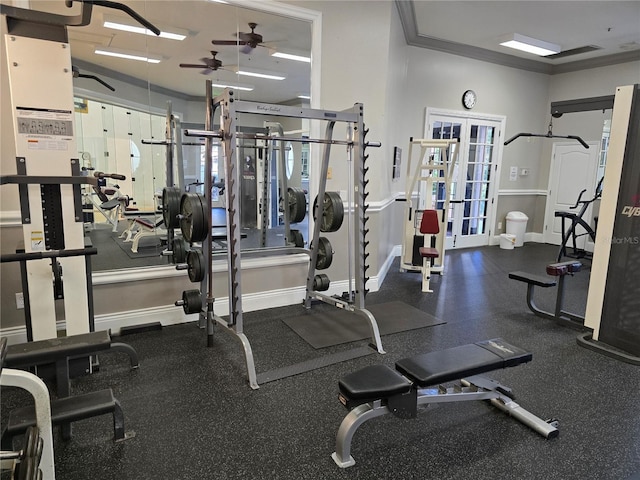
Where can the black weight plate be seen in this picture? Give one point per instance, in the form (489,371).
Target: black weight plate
(332,212)
(297,204)
(31,438)
(296,238)
(171,206)
(179,248)
(321,282)
(194,223)
(191,301)
(196,270)
(325,254)
(27,469)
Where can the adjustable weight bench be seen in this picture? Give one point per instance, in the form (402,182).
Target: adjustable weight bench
(378,389)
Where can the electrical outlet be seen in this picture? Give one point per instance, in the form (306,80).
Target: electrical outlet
(19,300)
(499,225)
(329,173)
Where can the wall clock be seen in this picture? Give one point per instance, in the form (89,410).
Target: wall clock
(469,99)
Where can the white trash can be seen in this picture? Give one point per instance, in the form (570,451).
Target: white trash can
(507,241)
(517,225)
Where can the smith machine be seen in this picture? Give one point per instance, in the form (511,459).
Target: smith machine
(194,216)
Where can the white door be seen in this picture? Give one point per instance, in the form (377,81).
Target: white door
(471,208)
(573,169)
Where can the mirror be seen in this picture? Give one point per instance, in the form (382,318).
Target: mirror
(120,131)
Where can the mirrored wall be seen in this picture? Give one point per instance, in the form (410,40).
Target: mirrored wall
(126,80)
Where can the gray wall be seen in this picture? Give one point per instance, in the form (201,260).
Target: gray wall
(365,59)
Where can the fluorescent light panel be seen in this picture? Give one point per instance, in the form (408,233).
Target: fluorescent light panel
(290,56)
(233,87)
(128,56)
(530,45)
(142,30)
(269,76)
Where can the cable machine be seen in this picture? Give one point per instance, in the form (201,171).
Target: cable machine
(430,174)
(195,218)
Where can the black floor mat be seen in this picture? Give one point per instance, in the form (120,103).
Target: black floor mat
(325,325)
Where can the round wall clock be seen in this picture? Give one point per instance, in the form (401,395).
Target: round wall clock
(469,99)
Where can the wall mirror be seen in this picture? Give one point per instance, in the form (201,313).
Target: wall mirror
(125,83)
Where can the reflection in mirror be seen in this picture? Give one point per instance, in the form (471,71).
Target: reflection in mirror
(120,131)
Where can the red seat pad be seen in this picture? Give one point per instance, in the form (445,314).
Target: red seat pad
(428,252)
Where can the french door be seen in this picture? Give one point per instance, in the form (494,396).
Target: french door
(472,191)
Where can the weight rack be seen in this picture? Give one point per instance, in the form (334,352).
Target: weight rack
(228,108)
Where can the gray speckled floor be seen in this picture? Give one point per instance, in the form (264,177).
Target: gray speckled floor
(196,418)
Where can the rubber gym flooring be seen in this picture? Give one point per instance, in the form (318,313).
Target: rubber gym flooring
(195,416)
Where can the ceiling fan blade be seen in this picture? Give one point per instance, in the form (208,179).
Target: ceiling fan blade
(192,65)
(228,42)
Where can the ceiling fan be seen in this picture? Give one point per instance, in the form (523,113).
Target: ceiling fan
(209,64)
(249,40)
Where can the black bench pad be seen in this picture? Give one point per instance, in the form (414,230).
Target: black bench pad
(538,280)
(458,362)
(373,382)
(48,351)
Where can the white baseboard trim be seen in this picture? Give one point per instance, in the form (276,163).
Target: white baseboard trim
(528,237)
(172,315)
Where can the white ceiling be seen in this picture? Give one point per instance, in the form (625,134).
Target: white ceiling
(468,28)
(203,21)
(473,28)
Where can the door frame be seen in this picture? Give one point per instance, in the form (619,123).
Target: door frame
(465,116)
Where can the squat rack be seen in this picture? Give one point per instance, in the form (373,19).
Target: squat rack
(229,108)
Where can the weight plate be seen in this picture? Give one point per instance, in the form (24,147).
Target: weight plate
(179,248)
(191,301)
(325,254)
(171,206)
(297,204)
(193,219)
(31,442)
(27,469)
(296,238)
(321,282)
(196,270)
(332,212)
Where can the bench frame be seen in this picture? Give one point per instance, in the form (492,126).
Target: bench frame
(559,315)
(471,388)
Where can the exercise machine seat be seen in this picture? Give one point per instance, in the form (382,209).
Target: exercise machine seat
(429,224)
(464,361)
(374,381)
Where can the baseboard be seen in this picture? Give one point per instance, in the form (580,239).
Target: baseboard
(172,315)
(528,237)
